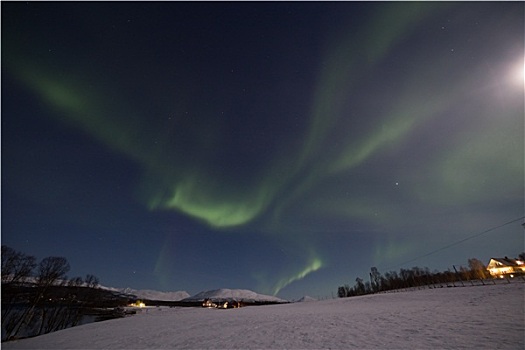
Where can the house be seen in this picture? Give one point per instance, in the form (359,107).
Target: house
(208,303)
(137,303)
(503,267)
(222,304)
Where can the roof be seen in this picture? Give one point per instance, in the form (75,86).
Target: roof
(507,261)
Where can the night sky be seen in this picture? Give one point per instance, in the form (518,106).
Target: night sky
(279,147)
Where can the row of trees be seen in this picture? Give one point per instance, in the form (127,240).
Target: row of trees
(39,298)
(415,277)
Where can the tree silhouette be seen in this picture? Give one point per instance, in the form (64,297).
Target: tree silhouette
(91,281)
(16,266)
(417,277)
(477,269)
(50,270)
(47,302)
(375,279)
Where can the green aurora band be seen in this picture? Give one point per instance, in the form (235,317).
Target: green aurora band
(179,182)
(312,266)
(184,186)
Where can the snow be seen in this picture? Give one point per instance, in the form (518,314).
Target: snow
(234,294)
(307,299)
(149,294)
(156,295)
(471,317)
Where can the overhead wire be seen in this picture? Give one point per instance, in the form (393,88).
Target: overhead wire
(459,242)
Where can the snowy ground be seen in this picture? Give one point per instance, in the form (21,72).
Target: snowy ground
(479,317)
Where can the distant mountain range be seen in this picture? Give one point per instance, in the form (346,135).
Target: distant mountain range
(217,294)
(156,295)
(233,294)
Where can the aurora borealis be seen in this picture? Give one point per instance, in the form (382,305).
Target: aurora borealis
(280,147)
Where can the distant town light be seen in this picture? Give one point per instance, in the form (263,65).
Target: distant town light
(138,303)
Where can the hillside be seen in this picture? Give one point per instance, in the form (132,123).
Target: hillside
(234,294)
(306,298)
(156,295)
(473,317)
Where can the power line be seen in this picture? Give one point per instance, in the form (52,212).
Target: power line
(460,241)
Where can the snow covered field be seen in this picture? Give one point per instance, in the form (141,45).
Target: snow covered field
(479,317)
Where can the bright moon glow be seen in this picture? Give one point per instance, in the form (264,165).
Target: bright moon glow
(515,72)
(521,73)
(518,73)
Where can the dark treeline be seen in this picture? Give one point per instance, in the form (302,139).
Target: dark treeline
(39,298)
(414,277)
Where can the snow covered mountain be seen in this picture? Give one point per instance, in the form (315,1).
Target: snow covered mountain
(234,294)
(217,294)
(306,298)
(156,295)
(150,294)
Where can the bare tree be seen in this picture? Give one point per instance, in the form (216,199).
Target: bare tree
(92,281)
(359,286)
(54,303)
(375,279)
(50,270)
(16,266)
(75,282)
(477,268)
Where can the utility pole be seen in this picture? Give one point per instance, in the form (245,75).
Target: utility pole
(459,275)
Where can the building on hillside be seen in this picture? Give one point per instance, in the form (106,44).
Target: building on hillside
(505,267)
(208,303)
(222,304)
(138,303)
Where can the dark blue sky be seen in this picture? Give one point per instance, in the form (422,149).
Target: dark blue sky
(280,147)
